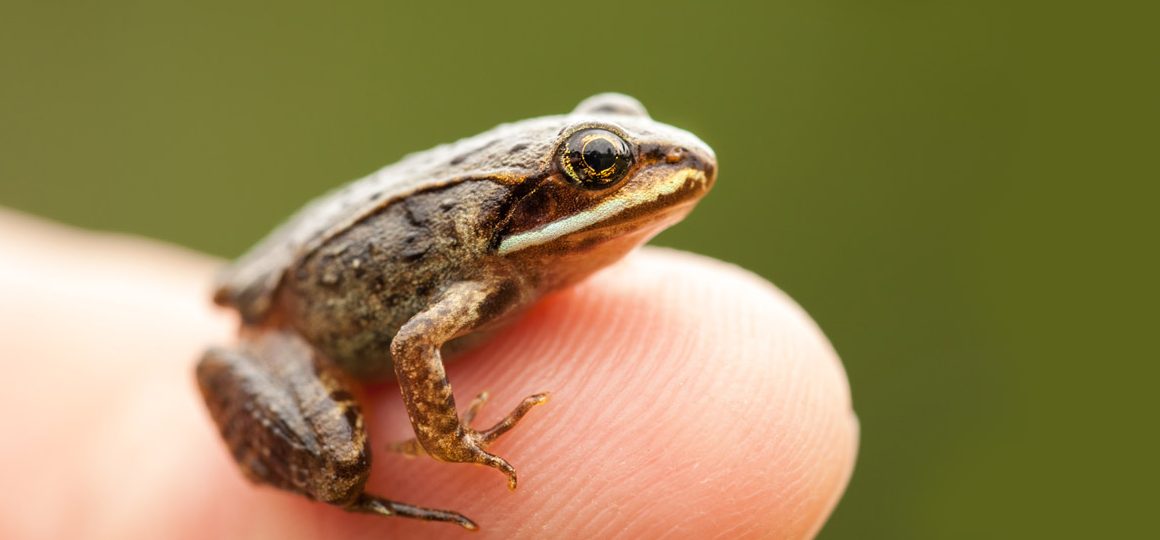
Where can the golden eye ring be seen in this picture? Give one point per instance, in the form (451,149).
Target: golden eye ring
(596,158)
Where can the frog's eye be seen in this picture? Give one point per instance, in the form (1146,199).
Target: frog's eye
(596,158)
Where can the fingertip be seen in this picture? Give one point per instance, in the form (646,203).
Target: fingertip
(687,394)
(757,390)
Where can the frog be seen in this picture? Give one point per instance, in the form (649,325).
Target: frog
(383,278)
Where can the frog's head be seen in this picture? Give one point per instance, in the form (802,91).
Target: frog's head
(612,179)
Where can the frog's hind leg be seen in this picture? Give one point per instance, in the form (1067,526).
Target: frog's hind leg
(291,421)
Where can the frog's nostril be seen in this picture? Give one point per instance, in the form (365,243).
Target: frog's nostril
(675,155)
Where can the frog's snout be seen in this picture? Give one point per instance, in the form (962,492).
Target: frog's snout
(694,159)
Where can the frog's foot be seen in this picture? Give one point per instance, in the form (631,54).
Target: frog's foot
(470,445)
(293,423)
(412,447)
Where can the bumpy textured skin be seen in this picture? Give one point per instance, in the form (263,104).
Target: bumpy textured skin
(304,434)
(513,154)
(352,295)
(378,278)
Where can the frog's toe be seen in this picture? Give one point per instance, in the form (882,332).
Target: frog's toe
(499,464)
(370,504)
(474,407)
(510,421)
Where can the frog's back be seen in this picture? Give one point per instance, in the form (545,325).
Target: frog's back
(507,153)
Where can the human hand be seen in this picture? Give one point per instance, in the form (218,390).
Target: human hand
(689,399)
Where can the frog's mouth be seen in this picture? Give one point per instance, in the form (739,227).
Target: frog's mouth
(646,208)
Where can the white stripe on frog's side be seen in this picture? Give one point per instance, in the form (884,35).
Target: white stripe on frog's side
(597,214)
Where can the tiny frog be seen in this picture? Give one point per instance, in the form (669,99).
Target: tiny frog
(380,278)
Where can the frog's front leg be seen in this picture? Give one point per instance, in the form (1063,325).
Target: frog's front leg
(419,367)
(291,420)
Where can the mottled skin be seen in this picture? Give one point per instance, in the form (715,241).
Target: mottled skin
(372,281)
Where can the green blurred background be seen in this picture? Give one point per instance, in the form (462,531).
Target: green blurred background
(961,193)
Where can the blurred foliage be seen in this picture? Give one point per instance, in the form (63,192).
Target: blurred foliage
(961,193)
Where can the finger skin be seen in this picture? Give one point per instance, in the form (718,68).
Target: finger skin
(689,399)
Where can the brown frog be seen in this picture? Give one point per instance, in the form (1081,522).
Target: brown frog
(380,277)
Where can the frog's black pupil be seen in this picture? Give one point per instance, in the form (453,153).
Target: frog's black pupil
(595,158)
(600,154)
